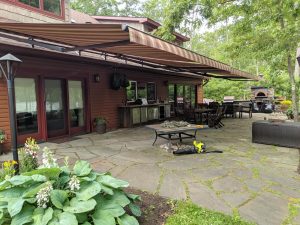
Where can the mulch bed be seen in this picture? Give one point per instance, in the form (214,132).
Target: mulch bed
(155,209)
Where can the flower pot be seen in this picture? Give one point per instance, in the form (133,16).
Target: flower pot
(101,128)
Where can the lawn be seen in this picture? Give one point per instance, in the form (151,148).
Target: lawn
(187,213)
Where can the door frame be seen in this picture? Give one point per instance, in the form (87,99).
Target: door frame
(81,129)
(40,134)
(65,131)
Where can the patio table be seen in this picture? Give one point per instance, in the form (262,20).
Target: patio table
(175,133)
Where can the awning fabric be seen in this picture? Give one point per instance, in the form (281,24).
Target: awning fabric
(126,41)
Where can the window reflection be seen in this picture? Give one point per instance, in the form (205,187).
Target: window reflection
(151,92)
(131,91)
(26,105)
(76,103)
(33,3)
(54,105)
(53,6)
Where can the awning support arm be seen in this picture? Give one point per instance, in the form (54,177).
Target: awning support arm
(103,45)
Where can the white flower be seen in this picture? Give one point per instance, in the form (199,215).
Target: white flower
(48,159)
(43,196)
(74,184)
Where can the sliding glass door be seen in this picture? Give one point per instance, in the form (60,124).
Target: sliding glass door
(76,105)
(55,106)
(26,106)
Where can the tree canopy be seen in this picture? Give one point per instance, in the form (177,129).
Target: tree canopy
(259,36)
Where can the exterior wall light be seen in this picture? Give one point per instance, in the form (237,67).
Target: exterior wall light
(97,78)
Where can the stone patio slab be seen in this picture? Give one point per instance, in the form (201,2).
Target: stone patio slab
(258,180)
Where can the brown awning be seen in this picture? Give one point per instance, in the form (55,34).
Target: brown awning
(123,41)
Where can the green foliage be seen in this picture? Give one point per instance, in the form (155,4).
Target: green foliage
(28,156)
(45,197)
(107,7)
(2,136)
(99,120)
(8,169)
(189,213)
(216,89)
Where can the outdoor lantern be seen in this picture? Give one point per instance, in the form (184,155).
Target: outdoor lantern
(97,78)
(9,65)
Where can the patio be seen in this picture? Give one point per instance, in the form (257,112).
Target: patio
(257,181)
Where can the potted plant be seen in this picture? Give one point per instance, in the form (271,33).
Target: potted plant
(2,141)
(100,125)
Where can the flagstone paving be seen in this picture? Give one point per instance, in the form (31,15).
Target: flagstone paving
(257,181)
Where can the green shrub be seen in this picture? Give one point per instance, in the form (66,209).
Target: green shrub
(28,156)
(60,195)
(2,136)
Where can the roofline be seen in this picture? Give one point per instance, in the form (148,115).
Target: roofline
(142,20)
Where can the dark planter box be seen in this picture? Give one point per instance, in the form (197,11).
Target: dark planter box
(276,133)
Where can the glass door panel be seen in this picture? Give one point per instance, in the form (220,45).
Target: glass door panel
(76,103)
(26,106)
(55,108)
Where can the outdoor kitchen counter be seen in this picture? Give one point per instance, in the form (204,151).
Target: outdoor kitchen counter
(134,115)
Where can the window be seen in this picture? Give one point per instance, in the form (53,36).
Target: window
(131,91)
(53,6)
(171,89)
(141,90)
(187,94)
(26,106)
(151,91)
(33,3)
(76,107)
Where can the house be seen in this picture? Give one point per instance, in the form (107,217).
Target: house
(140,23)
(77,67)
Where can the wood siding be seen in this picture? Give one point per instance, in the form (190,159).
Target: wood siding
(101,99)
(4,113)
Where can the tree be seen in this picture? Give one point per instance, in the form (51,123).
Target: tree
(108,7)
(268,30)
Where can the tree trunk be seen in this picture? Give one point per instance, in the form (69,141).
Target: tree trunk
(298,170)
(294,88)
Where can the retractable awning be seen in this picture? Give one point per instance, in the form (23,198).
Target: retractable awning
(121,41)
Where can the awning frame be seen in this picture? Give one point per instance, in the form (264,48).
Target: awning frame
(94,49)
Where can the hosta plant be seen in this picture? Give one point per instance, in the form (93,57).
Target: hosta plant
(64,196)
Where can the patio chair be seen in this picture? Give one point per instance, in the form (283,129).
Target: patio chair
(214,106)
(229,110)
(214,120)
(189,115)
(179,113)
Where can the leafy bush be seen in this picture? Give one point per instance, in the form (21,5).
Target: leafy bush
(59,195)
(8,169)
(53,195)
(28,156)
(99,120)
(2,136)
(287,103)
(289,113)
